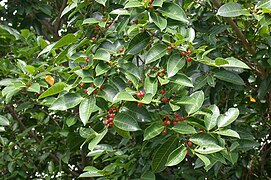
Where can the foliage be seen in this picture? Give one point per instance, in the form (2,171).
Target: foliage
(135,89)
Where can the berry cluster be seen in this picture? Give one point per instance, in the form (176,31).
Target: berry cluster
(168,122)
(91,85)
(140,95)
(187,53)
(110,117)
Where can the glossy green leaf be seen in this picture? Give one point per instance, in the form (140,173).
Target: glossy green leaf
(123,96)
(138,43)
(87,106)
(204,159)
(228,132)
(66,101)
(264,4)
(132,4)
(198,98)
(162,153)
(176,156)
(150,86)
(231,9)
(65,40)
(120,12)
(210,121)
(102,54)
(226,119)
(230,77)
(208,149)
(90,21)
(91,172)
(101,68)
(102,2)
(181,79)
(173,11)
(35,87)
(55,89)
(3,121)
(155,53)
(174,64)
(184,128)
(159,21)
(234,63)
(148,176)
(126,122)
(202,139)
(152,131)
(157,3)
(92,144)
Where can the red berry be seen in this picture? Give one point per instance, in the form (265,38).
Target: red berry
(163,91)
(129,81)
(97,26)
(189,51)
(111,115)
(111,124)
(86,91)
(82,85)
(148,74)
(183,53)
(91,85)
(105,123)
(110,119)
(121,50)
(83,67)
(164,132)
(150,2)
(168,122)
(177,115)
(104,19)
(189,143)
(165,122)
(200,130)
(164,100)
(163,71)
(189,59)
(142,93)
(182,119)
(93,38)
(166,118)
(86,59)
(155,68)
(169,48)
(151,7)
(139,105)
(175,122)
(95,91)
(102,86)
(138,94)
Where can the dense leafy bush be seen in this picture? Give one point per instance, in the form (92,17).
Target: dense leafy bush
(135,89)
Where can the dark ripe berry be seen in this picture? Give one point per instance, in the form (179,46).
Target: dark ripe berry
(93,38)
(148,74)
(104,19)
(183,53)
(163,71)
(182,119)
(102,86)
(110,111)
(111,124)
(83,67)
(139,105)
(86,91)
(95,91)
(189,143)
(97,26)
(175,122)
(110,119)
(121,50)
(164,132)
(189,59)
(169,48)
(166,118)
(82,85)
(135,22)
(168,122)
(200,130)
(177,115)
(165,122)
(163,91)
(105,123)
(129,81)
(86,59)
(155,68)
(150,2)
(151,7)
(189,51)
(164,100)
(111,115)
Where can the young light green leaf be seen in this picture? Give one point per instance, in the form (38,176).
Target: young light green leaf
(184,128)
(234,63)
(156,52)
(230,77)
(138,43)
(153,130)
(86,107)
(210,120)
(226,119)
(231,9)
(90,21)
(161,155)
(176,156)
(198,98)
(55,89)
(120,12)
(66,101)
(35,87)
(4,121)
(174,64)
(173,11)
(126,122)
(159,21)
(209,149)
(228,132)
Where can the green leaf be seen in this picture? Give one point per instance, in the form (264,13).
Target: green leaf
(68,9)
(101,68)
(7,82)
(150,86)
(264,4)
(176,156)
(138,43)
(159,21)
(102,54)
(97,139)
(55,89)
(198,98)
(153,130)
(4,121)
(173,11)
(148,176)
(174,64)
(66,101)
(234,63)
(230,77)
(209,149)
(102,2)
(120,12)
(264,87)
(226,119)
(91,172)
(210,121)
(182,79)
(158,3)
(228,132)
(231,9)
(35,87)
(184,128)
(11,31)
(156,52)
(125,134)
(132,4)
(203,139)
(65,40)
(87,106)
(161,155)
(204,159)
(123,96)
(90,21)
(126,122)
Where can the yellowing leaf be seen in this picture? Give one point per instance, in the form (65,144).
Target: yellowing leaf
(252,99)
(49,79)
